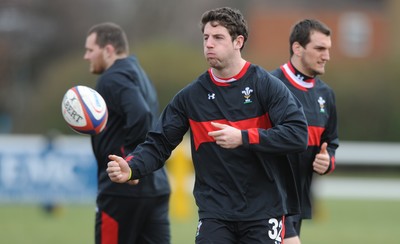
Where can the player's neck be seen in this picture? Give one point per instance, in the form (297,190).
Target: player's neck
(111,60)
(231,70)
(299,68)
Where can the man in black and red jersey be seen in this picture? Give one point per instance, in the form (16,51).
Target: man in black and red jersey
(125,213)
(310,43)
(243,121)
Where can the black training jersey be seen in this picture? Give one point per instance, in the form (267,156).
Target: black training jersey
(132,110)
(319,105)
(251,182)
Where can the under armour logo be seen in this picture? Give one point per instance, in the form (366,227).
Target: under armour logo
(211,96)
(300,77)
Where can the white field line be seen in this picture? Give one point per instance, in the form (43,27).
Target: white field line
(358,188)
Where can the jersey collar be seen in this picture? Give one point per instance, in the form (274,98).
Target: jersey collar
(297,80)
(225,81)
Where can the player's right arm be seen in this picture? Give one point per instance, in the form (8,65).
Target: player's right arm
(119,171)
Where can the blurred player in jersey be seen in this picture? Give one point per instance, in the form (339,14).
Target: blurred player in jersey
(310,43)
(125,213)
(243,121)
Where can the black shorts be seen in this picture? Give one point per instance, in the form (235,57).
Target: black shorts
(122,220)
(266,231)
(292,226)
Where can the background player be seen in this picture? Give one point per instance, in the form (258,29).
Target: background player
(125,213)
(310,43)
(239,138)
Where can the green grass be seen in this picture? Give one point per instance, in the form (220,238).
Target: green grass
(353,221)
(335,221)
(29,224)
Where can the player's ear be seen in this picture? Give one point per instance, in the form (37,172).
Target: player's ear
(297,48)
(238,42)
(110,50)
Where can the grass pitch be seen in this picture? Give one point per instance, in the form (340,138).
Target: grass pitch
(335,221)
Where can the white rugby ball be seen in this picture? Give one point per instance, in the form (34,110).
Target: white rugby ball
(84,110)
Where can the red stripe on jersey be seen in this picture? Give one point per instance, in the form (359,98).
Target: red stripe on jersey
(243,71)
(333,164)
(109,229)
(127,159)
(200,129)
(123,152)
(254,137)
(283,230)
(314,135)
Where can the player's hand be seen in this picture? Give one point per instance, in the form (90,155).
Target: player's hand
(227,136)
(322,160)
(119,171)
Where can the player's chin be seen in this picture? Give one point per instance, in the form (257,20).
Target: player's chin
(212,62)
(320,71)
(95,71)
(320,68)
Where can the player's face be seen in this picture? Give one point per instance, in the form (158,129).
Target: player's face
(95,55)
(316,54)
(218,46)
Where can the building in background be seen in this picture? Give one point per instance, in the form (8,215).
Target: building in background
(361,29)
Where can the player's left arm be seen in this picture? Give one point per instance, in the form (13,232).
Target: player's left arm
(325,160)
(286,127)
(288,135)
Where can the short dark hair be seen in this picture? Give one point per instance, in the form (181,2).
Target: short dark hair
(303,29)
(110,33)
(231,19)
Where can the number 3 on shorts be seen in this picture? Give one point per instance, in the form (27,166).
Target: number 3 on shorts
(275,229)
